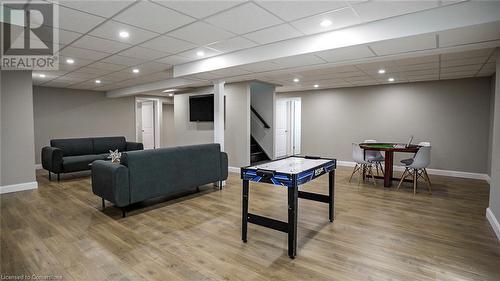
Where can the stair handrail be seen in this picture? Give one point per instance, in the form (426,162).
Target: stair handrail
(260,118)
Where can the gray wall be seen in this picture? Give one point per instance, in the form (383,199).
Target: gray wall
(452,114)
(17,141)
(168,126)
(237,127)
(67,113)
(263,101)
(495,155)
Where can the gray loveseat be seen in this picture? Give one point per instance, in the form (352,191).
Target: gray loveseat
(147,174)
(73,155)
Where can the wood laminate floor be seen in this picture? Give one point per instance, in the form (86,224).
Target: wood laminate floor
(378,234)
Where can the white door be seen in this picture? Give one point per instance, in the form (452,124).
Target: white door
(148,124)
(281,128)
(296,129)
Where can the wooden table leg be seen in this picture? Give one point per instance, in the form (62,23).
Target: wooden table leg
(389,159)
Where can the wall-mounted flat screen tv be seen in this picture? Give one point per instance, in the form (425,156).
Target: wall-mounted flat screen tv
(201,108)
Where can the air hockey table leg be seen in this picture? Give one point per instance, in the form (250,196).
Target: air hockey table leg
(244,213)
(331,195)
(292,220)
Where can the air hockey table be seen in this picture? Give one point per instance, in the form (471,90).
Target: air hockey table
(290,172)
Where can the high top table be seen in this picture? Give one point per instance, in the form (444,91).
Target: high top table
(389,149)
(290,172)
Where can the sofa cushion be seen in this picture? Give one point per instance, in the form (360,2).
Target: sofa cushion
(73,147)
(79,163)
(105,144)
(166,171)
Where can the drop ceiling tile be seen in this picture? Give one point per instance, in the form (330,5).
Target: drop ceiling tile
(97,44)
(74,52)
(297,61)
(80,75)
(152,67)
(292,10)
(57,84)
(417,60)
(467,35)
(467,54)
(233,44)
(66,37)
(339,18)
(243,19)
(78,62)
(199,9)
(345,54)
(77,21)
(117,59)
(403,45)
(174,60)
(200,33)
(429,77)
(424,72)
(111,30)
(153,17)
(92,70)
(350,74)
(467,61)
(100,8)
(474,68)
(422,66)
(273,34)
(455,75)
(107,66)
(376,10)
(331,70)
(192,54)
(168,44)
(143,53)
(113,78)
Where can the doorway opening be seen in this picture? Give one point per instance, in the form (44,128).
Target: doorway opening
(288,127)
(148,114)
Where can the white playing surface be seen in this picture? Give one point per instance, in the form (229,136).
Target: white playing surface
(291,165)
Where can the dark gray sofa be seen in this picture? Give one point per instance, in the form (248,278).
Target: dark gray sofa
(147,174)
(73,155)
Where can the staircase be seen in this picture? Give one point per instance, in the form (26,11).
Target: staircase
(257,155)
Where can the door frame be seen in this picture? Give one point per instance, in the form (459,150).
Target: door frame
(158,114)
(291,146)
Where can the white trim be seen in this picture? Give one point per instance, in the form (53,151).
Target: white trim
(18,187)
(488,179)
(234,169)
(38,166)
(493,222)
(449,173)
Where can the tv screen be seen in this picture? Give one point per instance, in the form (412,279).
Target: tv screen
(201,108)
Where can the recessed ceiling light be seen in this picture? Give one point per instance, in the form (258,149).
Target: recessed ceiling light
(200,53)
(70,61)
(381,71)
(325,23)
(135,70)
(98,81)
(124,34)
(296,80)
(390,79)
(41,75)
(170,95)
(316,86)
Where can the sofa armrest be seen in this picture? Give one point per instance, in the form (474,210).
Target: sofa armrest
(52,158)
(223,165)
(134,146)
(110,181)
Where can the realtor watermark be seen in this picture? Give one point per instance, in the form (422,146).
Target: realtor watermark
(29,35)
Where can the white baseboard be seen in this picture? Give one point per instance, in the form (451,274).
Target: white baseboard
(493,222)
(449,173)
(38,166)
(18,187)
